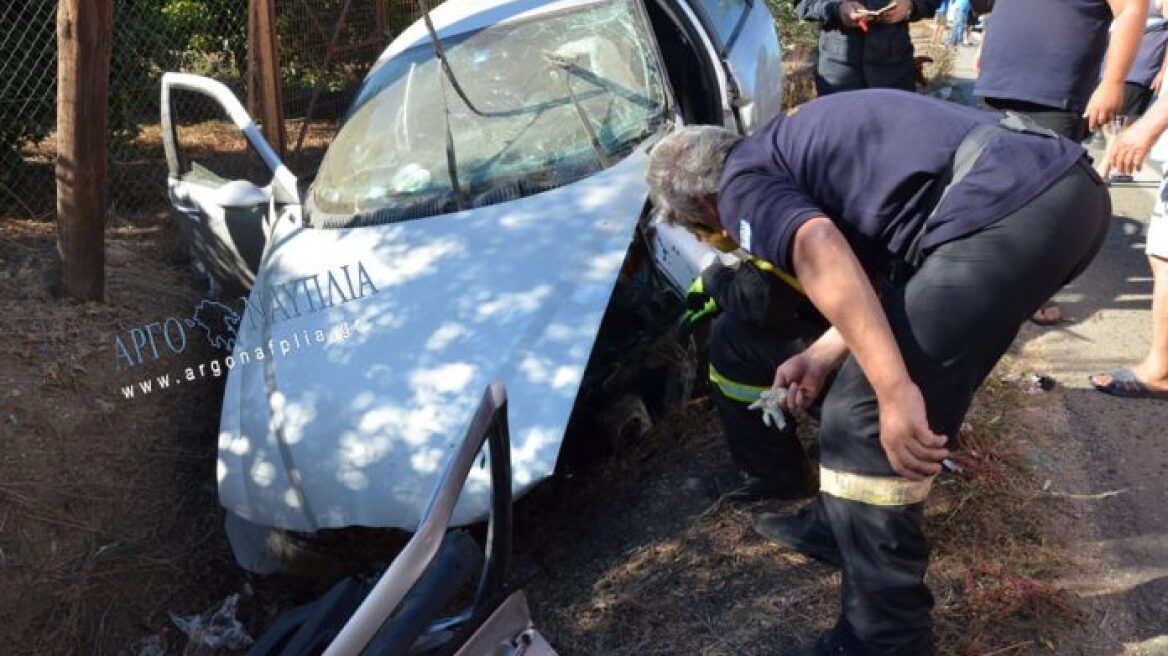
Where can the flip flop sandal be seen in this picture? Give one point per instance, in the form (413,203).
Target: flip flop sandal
(1124,384)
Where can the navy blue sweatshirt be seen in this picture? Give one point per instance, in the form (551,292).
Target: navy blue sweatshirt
(872,161)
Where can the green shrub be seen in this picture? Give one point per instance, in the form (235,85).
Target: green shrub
(793,31)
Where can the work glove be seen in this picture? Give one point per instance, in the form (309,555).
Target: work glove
(700,306)
(768,402)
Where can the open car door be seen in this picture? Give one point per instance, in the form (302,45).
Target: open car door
(225,210)
(405,612)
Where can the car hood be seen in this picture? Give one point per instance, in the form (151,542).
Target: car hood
(362,352)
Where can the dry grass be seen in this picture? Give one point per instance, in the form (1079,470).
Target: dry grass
(995,564)
(106,505)
(638,559)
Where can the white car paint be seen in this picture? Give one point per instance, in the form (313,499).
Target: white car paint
(353,432)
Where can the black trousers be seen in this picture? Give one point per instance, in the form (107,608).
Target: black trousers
(748,355)
(1069,124)
(850,59)
(1136,98)
(952,320)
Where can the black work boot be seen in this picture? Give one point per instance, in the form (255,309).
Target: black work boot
(832,643)
(755,488)
(806,532)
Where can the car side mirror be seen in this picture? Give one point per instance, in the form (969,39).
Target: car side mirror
(241,194)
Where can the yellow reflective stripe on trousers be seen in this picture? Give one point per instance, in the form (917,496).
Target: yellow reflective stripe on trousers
(873,490)
(735,391)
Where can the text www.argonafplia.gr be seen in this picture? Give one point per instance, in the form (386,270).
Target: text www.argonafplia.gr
(286,346)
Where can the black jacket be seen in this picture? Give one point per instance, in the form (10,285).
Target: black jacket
(851,59)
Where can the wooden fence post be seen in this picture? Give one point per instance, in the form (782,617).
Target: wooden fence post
(271,87)
(84,33)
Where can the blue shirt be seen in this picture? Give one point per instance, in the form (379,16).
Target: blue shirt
(1044,51)
(1150,57)
(872,161)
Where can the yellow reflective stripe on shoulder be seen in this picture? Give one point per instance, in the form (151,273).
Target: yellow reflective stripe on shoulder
(873,490)
(735,391)
(791,281)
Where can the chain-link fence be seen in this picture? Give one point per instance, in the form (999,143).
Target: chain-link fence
(326,46)
(28,87)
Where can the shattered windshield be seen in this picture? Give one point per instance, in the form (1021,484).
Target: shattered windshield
(558,97)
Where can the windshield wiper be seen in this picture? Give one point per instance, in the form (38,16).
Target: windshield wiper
(570,65)
(565,64)
(440,53)
(451,159)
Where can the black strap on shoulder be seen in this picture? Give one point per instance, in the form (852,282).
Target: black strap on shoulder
(967,155)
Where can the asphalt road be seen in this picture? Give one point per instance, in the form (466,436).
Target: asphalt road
(1123,549)
(1111,463)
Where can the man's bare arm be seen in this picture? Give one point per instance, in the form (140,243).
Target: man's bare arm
(1128,29)
(837,284)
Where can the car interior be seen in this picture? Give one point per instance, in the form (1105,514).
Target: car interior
(687,64)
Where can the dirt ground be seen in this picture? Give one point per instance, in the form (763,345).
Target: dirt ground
(109,522)
(108,517)
(647,560)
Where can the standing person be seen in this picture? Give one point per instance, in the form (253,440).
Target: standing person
(1148,378)
(859,49)
(1023,213)
(940,22)
(1042,58)
(962,15)
(1147,72)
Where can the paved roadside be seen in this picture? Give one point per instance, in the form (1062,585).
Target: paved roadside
(1110,459)
(1121,547)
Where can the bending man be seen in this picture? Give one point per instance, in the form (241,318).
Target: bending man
(965,227)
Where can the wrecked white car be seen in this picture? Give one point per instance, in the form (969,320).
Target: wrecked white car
(479,216)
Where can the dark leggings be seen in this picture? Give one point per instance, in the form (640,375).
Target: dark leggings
(953,320)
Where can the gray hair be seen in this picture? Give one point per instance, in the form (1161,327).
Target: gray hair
(686,165)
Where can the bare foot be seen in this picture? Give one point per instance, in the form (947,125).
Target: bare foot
(1048,315)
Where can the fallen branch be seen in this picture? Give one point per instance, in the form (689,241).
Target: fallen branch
(1090,497)
(1010,648)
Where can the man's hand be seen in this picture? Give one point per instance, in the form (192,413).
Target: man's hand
(850,13)
(1127,151)
(1104,104)
(913,449)
(803,377)
(899,13)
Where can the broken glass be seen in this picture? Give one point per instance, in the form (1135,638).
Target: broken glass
(390,158)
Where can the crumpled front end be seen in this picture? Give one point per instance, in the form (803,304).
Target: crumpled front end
(363,351)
